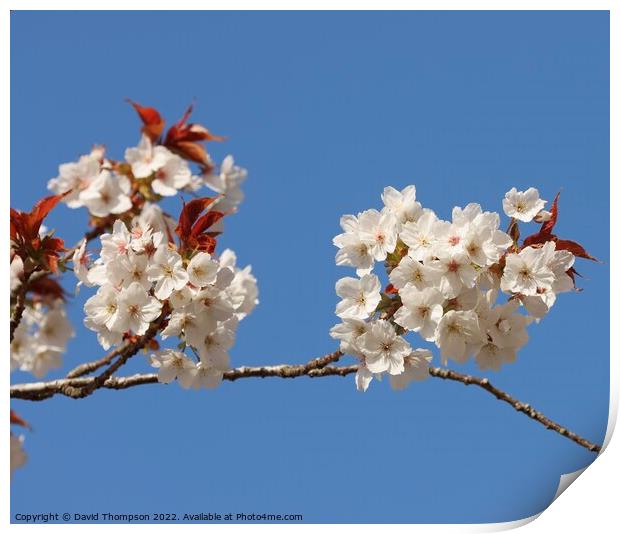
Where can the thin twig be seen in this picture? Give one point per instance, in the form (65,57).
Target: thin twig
(484,383)
(20,304)
(43,390)
(126,352)
(89,367)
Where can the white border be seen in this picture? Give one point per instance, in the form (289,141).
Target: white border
(591,503)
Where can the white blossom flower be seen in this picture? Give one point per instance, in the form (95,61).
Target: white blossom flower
(44,359)
(412,272)
(181,298)
(467,299)
(167,272)
(192,325)
(422,235)
(213,303)
(205,375)
(214,346)
(421,310)
(17,272)
(402,204)
(55,329)
(243,289)
(383,348)
(458,335)
(136,310)
(75,177)
(227,182)
(359,297)
(527,271)
(145,159)
(417,364)
(379,232)
(117,243)
(81,262)
(108,193)
(348,332)
(506,327)
(457,273)
(153,217)
(523,205)
(102,308)
(353,251)
(363,377)
(173,365)
(202,270)
(493,357)
(127,269)
(173,175)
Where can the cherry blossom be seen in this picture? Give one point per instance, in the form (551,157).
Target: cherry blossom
(523,205)
(444,280)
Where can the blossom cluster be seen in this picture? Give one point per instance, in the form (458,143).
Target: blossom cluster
(41,338)
(143,277)
(445,282)
(159,166)
(106,187)
(42,335)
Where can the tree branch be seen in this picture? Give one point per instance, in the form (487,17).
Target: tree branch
(89,367)
(125,352)
(314,369)
(484,383)
(20,304)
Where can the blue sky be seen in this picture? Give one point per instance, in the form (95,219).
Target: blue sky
(325,110)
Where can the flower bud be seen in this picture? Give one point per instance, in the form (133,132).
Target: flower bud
(542,216)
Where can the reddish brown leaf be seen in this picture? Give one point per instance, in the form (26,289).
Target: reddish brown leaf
(537,239)
(192,226)
(25,234)
(574,247)
(50,247)
(27,225)
(547,226)
(17,420)
(206,221)
(153,123)
(206,243)
(191,151)
(190,212)
(183,139)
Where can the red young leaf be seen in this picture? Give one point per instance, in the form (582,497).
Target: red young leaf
(547,226)
(205,243)
(25,234)
(27,225)
(50,247)
(192,226)
(153,123)
(537,239)
(190,212)
(574,247)
(42,208)
(183,139)
(206,221)
(17,420)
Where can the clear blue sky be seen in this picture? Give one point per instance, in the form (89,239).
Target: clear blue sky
(325,110)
